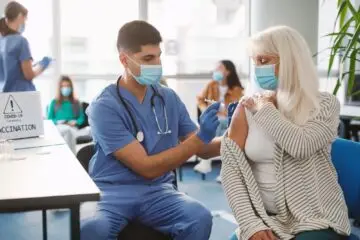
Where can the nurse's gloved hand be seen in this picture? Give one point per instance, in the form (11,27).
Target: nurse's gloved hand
(208,123)
(45,62)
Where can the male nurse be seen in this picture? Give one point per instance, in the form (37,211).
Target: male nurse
(143,132)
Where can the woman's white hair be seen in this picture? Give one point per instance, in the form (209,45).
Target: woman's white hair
(298,87)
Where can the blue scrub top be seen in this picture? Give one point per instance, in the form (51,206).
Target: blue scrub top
(112,130)
(14,49)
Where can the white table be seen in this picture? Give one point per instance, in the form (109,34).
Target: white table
(51,137)
(48,178)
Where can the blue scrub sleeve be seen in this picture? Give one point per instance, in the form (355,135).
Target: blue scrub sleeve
(186,125)
(25,53)
(108,127)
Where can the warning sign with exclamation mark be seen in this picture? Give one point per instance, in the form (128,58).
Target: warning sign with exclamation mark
(12,107)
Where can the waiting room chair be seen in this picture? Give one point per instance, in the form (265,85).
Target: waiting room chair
(134,230)
(345,155)
(86,138)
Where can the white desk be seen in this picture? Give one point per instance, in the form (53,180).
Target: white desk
(51,137)
(52,180)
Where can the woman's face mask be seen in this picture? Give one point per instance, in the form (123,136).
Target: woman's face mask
(149,74)
(65,91)
(266,71)
(218,76)
(22,19)
(265,77)
(21,28)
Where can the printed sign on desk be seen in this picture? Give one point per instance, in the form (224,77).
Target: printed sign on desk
(20,115)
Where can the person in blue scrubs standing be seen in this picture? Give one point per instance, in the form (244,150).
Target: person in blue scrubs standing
(16,65)
(142,132)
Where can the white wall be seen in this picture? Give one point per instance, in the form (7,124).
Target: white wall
(302,15)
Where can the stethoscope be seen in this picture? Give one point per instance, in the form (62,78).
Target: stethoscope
(140,134)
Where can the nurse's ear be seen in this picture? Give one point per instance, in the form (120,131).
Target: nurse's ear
(123,59)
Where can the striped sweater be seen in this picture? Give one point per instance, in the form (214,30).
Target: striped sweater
(307,194)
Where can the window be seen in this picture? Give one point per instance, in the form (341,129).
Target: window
(88,34)
(327,16)
(197,34)
(39,33)
(39,28)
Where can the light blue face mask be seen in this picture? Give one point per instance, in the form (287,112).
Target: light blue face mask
(22,28)
(149,74)
(218,76)
(265,77)
(66,91)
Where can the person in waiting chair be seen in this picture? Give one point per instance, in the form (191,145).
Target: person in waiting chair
(277,171)
(66,111)
(226,88)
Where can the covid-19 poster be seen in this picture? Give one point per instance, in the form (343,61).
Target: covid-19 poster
(20,115)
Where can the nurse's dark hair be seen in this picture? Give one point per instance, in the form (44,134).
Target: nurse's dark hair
(135,34)
(233,79)
(12,11)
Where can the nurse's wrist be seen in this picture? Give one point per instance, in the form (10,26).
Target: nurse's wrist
(203,137)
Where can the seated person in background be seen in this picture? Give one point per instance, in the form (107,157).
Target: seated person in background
(226,88)
(66,112)
(276,171)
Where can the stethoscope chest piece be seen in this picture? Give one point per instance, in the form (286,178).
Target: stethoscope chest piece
(140,136)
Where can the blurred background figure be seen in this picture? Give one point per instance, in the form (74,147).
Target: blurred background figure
(66,112)
(16,63)
(226,88)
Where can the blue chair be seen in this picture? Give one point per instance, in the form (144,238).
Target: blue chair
(345,155)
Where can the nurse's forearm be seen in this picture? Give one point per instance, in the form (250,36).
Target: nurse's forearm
(37,70)
(210,150)
(29,71)
(171,159)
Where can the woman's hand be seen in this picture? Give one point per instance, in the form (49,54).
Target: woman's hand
(72,123)
(258,101)
(238,129)
(263,235)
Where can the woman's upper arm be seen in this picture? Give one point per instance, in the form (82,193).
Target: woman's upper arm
(81,118)
(51,110)
(302,141)
(201,98)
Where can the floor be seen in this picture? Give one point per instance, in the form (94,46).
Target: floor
(25,226)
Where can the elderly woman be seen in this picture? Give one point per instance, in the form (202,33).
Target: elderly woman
(277,171)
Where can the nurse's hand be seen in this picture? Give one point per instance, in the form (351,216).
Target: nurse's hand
(45,62)
(208,123)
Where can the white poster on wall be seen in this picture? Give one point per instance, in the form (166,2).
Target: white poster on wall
(20,115)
